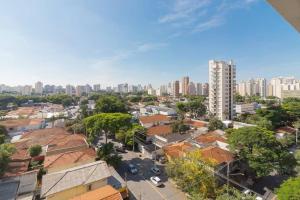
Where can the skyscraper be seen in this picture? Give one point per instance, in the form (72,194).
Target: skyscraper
(222,83)
(191,88)
(175,89)
(97,87)
(38,88)
(185,84)
(69,90)
(199,89)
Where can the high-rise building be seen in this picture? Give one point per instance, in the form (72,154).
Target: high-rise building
(199,89)
(191,88)
(69,90)
(26,90)
(205,89)
(262,83)
(185,85)
(175,89)
(281,84)
(38,87)
(222,83)
(96,87)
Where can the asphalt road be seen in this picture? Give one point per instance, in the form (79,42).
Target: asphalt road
(140,184)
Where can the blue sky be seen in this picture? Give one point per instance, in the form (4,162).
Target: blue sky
(141,41)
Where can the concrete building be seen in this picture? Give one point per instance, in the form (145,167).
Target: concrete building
(222,83)
(69,90)
(199,89)
(245,108)
(175,89)
(280,84)
(26,90)
(205,89)
(191,88)
(97,87)
(38,87)
(184,85)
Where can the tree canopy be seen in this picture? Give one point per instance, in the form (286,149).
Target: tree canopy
(215,123)
(35,150)
(289,190)
(191,176)
(195,107)
(6,151)
(107,153)
(292,107)
(259,148)
(110,104)
(106,123)
(3,133)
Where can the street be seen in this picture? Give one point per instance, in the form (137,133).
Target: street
(140,184)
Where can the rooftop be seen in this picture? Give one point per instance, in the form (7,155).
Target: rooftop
(178,149)
(194,123)
(70,178)
(153,119)
(217,154)
(104,193)
(159,130)
(210,137)
(20,122)
(24,111)
(70,158)
(286,129)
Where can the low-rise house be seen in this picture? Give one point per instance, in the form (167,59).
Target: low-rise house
(196,124)
(285,132)
(20,187)
(117,182)
(157,110)
(178,150)
(245,108)
(61,161)
(149,121)
(104,193)
(22,112)
(75,181)
(213,138)
(18,126)
(217,155)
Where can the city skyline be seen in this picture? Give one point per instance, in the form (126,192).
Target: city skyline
(142,42)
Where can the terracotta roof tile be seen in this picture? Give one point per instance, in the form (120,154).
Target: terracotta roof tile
(104,193)
(159,130)
(217,154)
(68,158)
(153,119)
(194,123)
(178,149)
(210,137)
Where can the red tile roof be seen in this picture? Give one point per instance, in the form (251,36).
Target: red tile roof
(198,124)
(17,168)
(104,193)
(159,130)
(286,129)
(20,122)
(210,137)
(153,119)
(70,158)
(178,149)
(216,154)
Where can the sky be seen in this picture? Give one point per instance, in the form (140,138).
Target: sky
(141,41)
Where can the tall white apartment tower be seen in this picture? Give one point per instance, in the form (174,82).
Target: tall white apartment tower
(38,87)
(222,81)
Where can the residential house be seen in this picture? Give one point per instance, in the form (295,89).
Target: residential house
(178,149)
(104,193)
(75,181)
(20,187)
(65,160)
(212,138)
(149,121)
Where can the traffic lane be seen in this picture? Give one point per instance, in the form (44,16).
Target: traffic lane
(168,190)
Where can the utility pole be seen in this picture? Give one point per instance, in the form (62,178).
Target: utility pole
(133,141)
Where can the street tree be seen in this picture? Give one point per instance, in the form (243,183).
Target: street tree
(289,190)
(107,124)
(259,148)
(108,154)
(192,176)
(3,133)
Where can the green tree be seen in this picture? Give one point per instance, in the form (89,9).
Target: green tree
(3,133)
(289,190)
(215,123)
(107,123)
(292,107)
(6,151)
(35,150)
(179,127)
(126,136)
(259,148)
(230,193)
(107,153)
(196,108)
(110,104)
(192,176)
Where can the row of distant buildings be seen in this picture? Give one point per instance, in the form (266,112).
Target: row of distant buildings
(281,87)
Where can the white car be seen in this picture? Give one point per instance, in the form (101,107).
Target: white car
(156,181)
(132,169)
(248,192)
(155,170)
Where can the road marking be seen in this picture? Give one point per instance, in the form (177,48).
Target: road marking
(156,190)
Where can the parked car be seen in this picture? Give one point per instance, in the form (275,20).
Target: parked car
(132,169)
(120,149)
(156,181)
(248,192)
(155,170)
